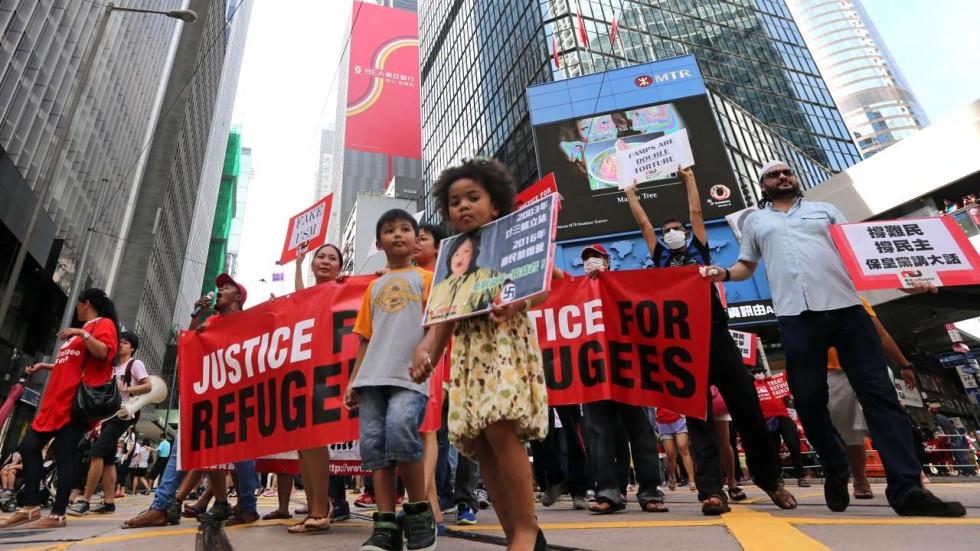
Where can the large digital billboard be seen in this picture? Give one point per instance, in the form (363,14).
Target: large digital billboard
(580,123)
(383,109)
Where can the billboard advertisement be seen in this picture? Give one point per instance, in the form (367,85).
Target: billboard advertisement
(581,124)
(383,84)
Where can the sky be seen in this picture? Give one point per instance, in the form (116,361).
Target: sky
(937,47)
(287,93)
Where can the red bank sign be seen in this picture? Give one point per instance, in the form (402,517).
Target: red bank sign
(383,102)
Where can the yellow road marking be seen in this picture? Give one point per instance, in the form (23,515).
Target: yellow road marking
(591,525)
(756,531)
(896,521)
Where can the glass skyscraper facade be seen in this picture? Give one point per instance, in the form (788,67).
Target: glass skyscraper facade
(478,57)
(877,103)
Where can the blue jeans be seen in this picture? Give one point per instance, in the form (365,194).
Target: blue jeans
(390,418)
(167,490)
(806,338)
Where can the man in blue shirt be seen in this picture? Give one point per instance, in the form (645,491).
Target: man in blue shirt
(818,308)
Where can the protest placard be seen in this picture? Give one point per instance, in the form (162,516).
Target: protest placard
(307,229)
(542,188)
(639,337)
(270,379)
(890,254)
(747,344)
(656,157)
(507,260)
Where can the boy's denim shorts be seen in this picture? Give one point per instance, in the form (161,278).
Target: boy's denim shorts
(390,418)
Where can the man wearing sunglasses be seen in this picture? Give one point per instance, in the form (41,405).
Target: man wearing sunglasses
(818,307)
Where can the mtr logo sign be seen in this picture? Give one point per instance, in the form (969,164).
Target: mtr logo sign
(643,81)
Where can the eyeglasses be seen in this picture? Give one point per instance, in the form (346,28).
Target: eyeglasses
(778,173)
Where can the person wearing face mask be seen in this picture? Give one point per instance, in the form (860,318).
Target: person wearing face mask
(818,307)
(609,427)
(682,247)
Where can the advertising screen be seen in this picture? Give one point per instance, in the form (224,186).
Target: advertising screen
(383,109)
(580,124)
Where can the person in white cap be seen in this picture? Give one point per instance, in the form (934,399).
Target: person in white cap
(817,307)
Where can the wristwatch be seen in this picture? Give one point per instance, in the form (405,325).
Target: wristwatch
(86,335)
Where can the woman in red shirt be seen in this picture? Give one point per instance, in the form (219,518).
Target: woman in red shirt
(86,355)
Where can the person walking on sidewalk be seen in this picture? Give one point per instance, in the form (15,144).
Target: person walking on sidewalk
(85,357)
(817,307)
(133,380)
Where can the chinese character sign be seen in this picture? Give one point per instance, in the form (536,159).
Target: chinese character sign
(889,254)
(747,344)
(507,260)
(308,228)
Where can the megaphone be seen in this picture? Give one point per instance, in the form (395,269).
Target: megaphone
(157,394)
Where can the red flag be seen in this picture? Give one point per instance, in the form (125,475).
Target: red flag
(554,48)
(613,29)
(581,29)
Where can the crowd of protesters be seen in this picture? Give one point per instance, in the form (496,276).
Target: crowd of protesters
(598,453)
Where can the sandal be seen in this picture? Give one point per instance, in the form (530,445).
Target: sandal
(190,511)
(736,493)
(863,492)
(715,505)
(671,484)
(655,507)
(606,507)
(782,498)
(21,516)
(311,525)
(276,515)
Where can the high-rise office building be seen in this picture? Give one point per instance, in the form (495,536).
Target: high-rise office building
(877,103)
(377,129)
(162,265)
(245,175)
(42,47)
(324,165)
(478,58)
(225,211)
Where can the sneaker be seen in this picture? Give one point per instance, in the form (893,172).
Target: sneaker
(340,511)
(420,527)
(173,512)
(219,512)
(922,503)
(386,535)
(366,501)
(482,499)
(104,509)
(551,495)
(579,503)
(465,515)
(79,508)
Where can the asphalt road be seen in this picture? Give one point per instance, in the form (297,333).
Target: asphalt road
(756,525)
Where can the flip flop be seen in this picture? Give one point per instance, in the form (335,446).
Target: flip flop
(736,493)
(276,515)
(612,508)
(655,507)
(715,505)
(863,493)
(782,498)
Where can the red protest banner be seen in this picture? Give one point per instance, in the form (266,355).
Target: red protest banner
(893,254)
(639,337)
(270,379)
(542,188)
(309,227)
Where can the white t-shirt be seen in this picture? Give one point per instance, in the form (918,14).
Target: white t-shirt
(144,457)
(138,373)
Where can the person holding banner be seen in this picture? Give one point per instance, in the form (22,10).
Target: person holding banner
(85,357)
(326,265)
(818,307)
(682,247)
(498,351)
(166,500)
(391,406)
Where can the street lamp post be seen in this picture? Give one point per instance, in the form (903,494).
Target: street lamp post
(49,170)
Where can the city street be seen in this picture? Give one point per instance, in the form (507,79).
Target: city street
(756,525)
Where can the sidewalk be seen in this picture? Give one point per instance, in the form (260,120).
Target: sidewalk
(756,524)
